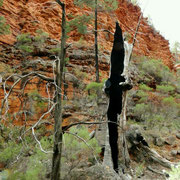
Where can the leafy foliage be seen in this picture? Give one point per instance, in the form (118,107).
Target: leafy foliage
(10,151)
(75,150)
(79,23)
(24,43)
(4,28)
(94,89)
(27,43)
(1,3)
(145,87)
(155,69)
(104,4)
(165,88)
(174,173)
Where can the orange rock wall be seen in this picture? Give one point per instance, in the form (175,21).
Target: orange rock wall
(30,15)
(26,16)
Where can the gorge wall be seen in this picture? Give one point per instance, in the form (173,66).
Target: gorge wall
(27,16)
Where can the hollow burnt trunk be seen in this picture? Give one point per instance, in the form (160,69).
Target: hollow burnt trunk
(115,91)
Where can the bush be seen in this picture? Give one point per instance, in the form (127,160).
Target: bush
(174,174)
(165,88)
(145,87)
(10,150)
(155,69)
(36,165)
(79,23)
(24,43)
(169,101)
(141,111)
(4,28)
(27,43)
(40,38)
(142,95)
(94,89)
(75,151)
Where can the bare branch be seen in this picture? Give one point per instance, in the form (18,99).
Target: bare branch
(87,123)
(39,143)
(85,143)
(134,39)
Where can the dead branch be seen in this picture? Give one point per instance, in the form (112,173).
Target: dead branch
(85,143)
(155,171)
(39,143)
(5,100)
(87,123)
(37,123)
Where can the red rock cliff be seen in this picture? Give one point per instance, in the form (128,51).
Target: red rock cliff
(30,15)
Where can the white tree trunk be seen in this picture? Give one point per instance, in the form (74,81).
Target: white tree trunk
(122,118)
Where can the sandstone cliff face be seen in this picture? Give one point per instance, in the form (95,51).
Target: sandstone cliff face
(27,16)
(30,15)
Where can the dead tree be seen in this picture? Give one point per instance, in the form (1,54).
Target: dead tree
(115,86)
(96,43)
(57,150)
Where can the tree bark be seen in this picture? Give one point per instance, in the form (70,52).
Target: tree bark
(57,150)
(96,44)
(122,118)
(114,90)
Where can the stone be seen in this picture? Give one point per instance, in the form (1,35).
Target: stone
(159,141)
(174,152)
(178,135)
(170,140)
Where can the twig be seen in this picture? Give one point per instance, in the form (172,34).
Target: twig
(85,143)
(87,123)
(39,143)
(156,171)
(134,39)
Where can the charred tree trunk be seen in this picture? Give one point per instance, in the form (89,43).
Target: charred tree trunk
(96,44)
(114,91)
(57,150)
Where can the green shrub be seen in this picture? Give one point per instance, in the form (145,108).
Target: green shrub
(145,87)
(94,90)
(75,151)
(1,3)
(141,111)
(155,69)
(80,74)
(40,38)
(10,150)
(4,27)
(55,50)
(143,96)
(36,165)
(94,86)
(24,43)
(24,38)
(79,23)
(174,174)
(165,88)
(169,101)
(26,48)
(28,44)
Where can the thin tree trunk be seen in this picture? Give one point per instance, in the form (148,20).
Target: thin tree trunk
(57,150)
(122,118)
(96,45)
